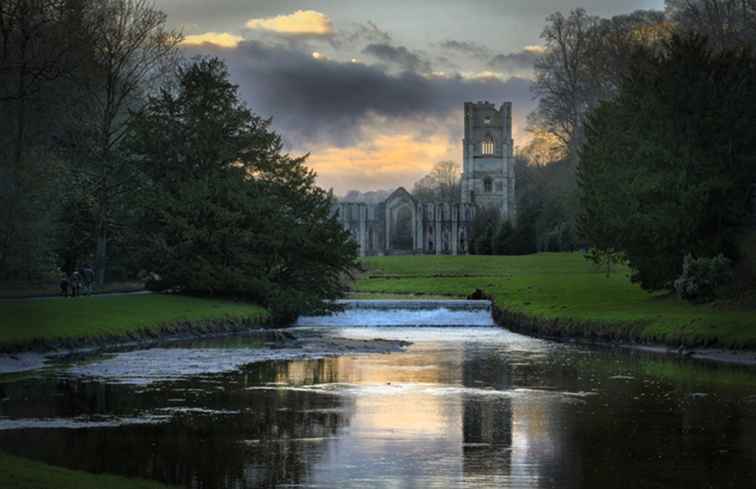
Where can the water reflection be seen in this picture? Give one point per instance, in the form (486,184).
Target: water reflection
(468,408)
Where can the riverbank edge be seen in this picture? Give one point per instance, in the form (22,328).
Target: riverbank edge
(176,330)
(565,330)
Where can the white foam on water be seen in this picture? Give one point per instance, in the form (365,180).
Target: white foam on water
(428,389)
(144,367)
(438,317)
(389,389)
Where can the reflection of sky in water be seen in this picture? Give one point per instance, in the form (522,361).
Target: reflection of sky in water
(415,422)
(461,407)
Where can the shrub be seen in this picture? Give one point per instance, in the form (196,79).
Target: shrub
(703,277)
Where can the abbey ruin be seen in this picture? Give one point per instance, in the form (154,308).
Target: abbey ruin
(403,225)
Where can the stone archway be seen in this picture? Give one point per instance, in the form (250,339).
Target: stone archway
(401,222)
(402,237)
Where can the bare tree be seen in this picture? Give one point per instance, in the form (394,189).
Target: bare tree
(131,51)
(564,82)
(726,23)
(543,149)
(442,184)
(585,58)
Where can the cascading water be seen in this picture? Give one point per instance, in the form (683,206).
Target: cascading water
(406,313)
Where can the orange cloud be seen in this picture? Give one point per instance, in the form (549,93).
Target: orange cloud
(300,23)
(391,154)
(386,161)
(222,39)
(535,49)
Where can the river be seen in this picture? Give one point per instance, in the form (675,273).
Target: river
(467,404)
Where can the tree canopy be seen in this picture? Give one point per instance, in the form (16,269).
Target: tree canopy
(224,211)
(667,166)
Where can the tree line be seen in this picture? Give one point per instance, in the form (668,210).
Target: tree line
(653,116)
(119,153)
(641,149)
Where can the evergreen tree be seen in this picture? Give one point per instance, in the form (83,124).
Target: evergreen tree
(503,239)
(225,212)
(667,167)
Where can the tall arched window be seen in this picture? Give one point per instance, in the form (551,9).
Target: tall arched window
(487,146)
(487,184)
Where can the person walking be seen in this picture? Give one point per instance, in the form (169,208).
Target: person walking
(64,286)
(89,278)
(76,284)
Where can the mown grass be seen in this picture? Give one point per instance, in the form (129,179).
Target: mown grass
(48,319)
(565,286)
(20,473)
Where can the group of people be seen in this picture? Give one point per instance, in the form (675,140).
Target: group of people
(78,282)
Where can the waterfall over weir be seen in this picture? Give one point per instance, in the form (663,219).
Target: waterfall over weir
(419,313)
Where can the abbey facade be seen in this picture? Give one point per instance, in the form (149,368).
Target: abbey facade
(403,225)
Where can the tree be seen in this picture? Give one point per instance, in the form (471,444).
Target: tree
(502,244)
(224,211)
(442,184)
(565,85)
(131,48)
(40,50)
(547,193)
(584,60)
(484,226)
(667,166)
(726,24)
(524,238)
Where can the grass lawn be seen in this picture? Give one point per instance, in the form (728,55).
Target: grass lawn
(564,286)
(25,320)
(20,473)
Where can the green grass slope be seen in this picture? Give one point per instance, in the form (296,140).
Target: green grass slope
(20,473)
(27,320)
(566,287)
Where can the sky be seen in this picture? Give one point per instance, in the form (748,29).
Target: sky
(374,90)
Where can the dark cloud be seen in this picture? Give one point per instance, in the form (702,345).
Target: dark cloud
(519,60)
(359,34)
(328,102)
(399,56)
(468,49)
(446,62)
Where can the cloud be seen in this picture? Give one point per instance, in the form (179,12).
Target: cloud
(317,101)
(535,49)
(365,126)
(302,23)
(468,48)
(399,56)
(220,39)
(518,61)
(381,161)
(358,34)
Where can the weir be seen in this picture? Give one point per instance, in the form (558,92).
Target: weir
(398,313)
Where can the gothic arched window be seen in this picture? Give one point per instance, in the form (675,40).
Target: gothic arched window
(487,184)
(487,146)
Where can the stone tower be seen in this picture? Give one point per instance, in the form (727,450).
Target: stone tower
(488,178)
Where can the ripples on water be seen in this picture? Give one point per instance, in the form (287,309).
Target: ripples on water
(475,407)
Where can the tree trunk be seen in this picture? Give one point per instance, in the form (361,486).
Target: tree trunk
(101,259)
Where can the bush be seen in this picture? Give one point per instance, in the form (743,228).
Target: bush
(703,277)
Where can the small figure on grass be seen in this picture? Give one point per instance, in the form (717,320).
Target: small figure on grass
(75,284)
(87,280)
(65,284)
(88,276)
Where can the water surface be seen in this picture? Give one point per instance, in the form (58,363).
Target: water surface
(475,407)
